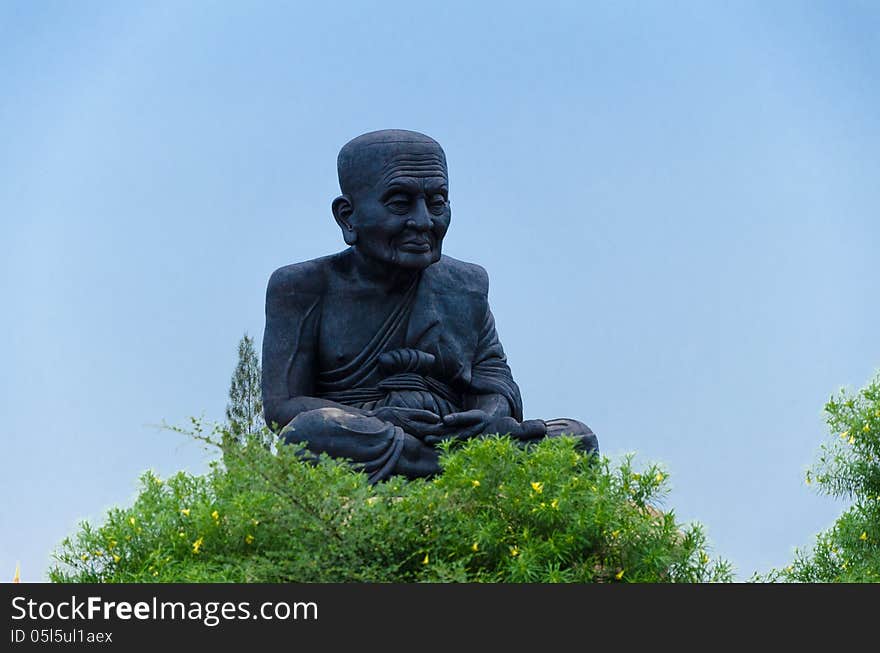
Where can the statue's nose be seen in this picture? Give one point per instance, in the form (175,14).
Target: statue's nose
(420,218)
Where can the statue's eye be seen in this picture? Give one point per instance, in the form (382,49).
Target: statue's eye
(398,203)
(437,204)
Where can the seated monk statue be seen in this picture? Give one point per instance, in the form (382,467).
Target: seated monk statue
(377,353)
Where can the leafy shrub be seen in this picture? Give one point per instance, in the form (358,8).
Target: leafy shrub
(848,466)
(498,513)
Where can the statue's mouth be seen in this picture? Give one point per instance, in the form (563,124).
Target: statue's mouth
(415,246)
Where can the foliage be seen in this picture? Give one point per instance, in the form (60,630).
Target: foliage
(498,513)
(848,466)
(244,411)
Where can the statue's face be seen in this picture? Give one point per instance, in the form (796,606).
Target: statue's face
(402,217)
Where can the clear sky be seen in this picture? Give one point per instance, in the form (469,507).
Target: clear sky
(677,204)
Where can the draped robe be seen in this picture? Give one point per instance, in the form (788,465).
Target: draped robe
(436,350)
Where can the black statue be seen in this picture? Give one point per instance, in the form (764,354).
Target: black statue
(378,352)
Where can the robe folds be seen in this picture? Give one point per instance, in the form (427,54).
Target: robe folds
(436,350)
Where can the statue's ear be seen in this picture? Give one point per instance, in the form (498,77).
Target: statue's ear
(342,211)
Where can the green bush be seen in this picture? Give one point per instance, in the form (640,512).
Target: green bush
(849,467)
(498,513)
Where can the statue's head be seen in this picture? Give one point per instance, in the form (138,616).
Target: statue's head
(394,206)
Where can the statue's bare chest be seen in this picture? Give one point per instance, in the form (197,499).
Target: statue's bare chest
(349,322)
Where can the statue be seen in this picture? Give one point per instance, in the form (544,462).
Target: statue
(379,352)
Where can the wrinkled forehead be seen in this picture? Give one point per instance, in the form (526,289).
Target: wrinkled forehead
(379,164)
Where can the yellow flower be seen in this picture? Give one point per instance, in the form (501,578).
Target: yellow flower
(215,515)
(852,439)
(619,574)
(198,544)
(475,547)
(116,558)
(703,557)
(99,553)
(112,544)
(185,512)
(659,477)
(514,551)
(615,533)
(426,559)
(844,435)
(554,504)
(131,520)
(537,487)
(475,483)
(84,557)
(249,538)
(155,573)
(864,536)
(866,428)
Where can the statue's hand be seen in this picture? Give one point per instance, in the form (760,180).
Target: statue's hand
(415,421)
(471,423)
(464,425)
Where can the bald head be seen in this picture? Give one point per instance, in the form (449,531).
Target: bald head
(394,206)
(381,155)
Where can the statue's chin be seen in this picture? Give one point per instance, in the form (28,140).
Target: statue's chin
(416,260)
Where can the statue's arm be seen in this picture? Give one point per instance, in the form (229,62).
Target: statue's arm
(492,401)
(290,346)
(495,404)
(492,386)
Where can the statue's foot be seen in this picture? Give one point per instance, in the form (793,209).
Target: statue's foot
(587,440)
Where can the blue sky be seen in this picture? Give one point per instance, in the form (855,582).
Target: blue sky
(676,203)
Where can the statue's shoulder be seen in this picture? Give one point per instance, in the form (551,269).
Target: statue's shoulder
(305,278)
(461,275)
